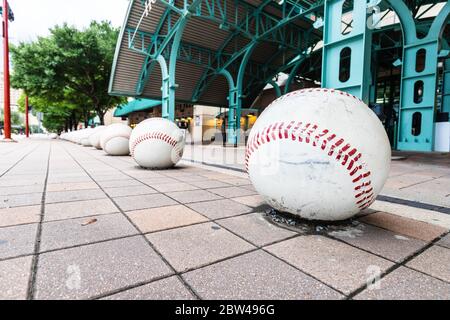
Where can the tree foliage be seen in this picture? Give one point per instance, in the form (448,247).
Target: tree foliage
(67,73)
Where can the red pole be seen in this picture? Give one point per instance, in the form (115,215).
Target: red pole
(7,95)
(27,127)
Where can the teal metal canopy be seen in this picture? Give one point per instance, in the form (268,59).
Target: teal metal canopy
(135,106)
(225,52)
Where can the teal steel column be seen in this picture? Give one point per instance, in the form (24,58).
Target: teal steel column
(419,80)
(232,105)
(292,75)
(356,43)
(238,95)
(165,87)
(276,87)
(446,87)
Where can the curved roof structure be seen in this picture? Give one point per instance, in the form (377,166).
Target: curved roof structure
(135,106)
(217,36)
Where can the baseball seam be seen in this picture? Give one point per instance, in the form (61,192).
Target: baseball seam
(156,135)
(310,90)
(308,133)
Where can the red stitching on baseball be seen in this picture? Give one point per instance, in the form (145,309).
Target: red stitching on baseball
(153,136)
(363,185)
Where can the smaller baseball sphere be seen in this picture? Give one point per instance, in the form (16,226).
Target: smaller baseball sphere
(157,144)
(115,139)
(320,154)
(94,139)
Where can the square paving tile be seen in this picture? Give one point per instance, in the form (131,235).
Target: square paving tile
(431,217)
(120,183)
(434,261)
(379,241)
(407,284)
(256,229)
(167,289)
(151,220)
(78,195)
(14,277)
(69,179)
(173,187)
(193,196)
(68,233)
(54,187)
(195,246)
(93,270)
(445,242)
(69,210)
(251,201)
(236,181)
(21,200)
(129,191)
(256,276)
(157,180)
(220,208)
(17,182)
(113,176)
(17,241)
(233,192)
(21,215)
(132,203)
(9,191)
(210,184)
(339,265)
(411,228)
(144,202)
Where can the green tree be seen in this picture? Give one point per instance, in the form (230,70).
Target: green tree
(70,69)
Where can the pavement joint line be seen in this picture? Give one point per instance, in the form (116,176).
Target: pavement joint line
(134,286)
(263,249)
(90,243)
(389,199)
(142,235)
(208,221)
(403,264)
(304,271)
(257,248)
(421,182)
(414,204)
(18,161)
(34,264)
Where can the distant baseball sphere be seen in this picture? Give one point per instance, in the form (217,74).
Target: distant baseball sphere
(157,144)
(319,154)
(85,137)
(115,139)
(94,139)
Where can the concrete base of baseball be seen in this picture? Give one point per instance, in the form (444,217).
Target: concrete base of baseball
(320,154)
(157,144)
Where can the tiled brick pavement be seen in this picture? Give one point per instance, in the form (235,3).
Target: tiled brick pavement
(76,224)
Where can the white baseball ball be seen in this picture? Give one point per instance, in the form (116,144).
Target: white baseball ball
(320,154)
(115,138)
(157,144)
(94,139)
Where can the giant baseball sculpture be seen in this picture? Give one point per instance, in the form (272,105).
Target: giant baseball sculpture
(94,139)
(320,154)
(115,138)
(157,144)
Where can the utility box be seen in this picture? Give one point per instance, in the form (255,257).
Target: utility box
(442,139)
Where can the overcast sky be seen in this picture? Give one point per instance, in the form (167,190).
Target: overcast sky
(34,17)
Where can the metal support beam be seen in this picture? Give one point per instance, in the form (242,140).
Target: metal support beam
(347,56)
(446,87)
(419,79)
